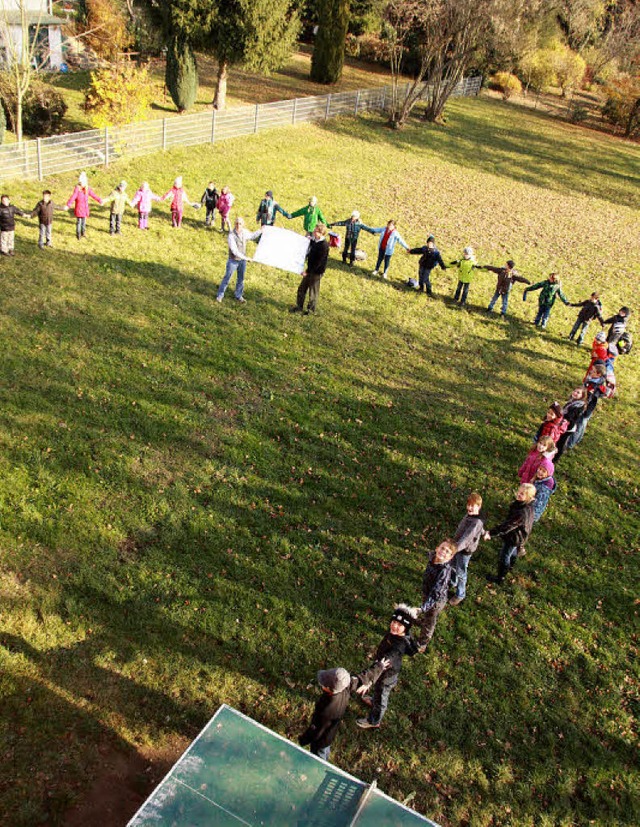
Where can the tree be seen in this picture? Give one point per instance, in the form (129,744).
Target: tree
(181,73)
(118,93)
(444,35)
(569,68)
(107,30)
(3,122)
(622,107)
(328,52)
(537,70)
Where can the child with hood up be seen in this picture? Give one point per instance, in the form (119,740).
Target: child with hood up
(542,453)
(337,686)
(143,199)
(393,647)
(79,200)
(179,197)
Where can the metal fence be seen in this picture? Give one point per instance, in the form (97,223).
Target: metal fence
(99,147)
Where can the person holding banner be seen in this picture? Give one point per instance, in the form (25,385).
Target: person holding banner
(238,258)
(316,265)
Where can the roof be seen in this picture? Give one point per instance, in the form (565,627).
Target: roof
(12,18)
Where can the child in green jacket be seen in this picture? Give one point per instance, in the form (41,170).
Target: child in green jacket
(466,265)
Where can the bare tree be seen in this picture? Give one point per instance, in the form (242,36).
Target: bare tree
(443,35)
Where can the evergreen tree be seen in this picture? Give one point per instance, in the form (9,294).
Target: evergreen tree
(328,53)
(181,74)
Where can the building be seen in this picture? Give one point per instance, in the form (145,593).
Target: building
(44,28)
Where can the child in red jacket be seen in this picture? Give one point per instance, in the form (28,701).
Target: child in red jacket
(554,424)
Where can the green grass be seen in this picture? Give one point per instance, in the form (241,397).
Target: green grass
(203,503)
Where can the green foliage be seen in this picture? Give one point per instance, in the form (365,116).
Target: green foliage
(506,83)
(537,70)
(622,107)
(568,66)
(117,94)
(43,107)
(181,73)
(328,51)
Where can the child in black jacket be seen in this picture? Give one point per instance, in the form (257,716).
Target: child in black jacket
(337,686)
(590,309)
(210,200)
(515,530)
(435,589)
(430,258)
(393,647)
(8,212)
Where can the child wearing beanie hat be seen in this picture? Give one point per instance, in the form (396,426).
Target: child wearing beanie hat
(337,686)
(393,647)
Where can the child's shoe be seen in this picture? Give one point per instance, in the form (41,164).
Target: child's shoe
(365,723)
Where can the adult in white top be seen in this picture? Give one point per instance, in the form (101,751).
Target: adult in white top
(238,258)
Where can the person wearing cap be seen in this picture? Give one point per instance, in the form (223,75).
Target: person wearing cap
(466,265)
(79,200)
(237,261)
(266,215)
(353,225)
(618,325)
(550,289)
(179,197)
(210,201)
(395,645)
(118,199)
(337,686)
(311,215)
(430,258)
(389,237)
(590,309)
(317,257)
(553,425)
(507,275)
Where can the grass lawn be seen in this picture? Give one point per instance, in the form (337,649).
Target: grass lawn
(205,503)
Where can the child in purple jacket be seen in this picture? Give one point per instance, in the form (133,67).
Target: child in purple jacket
(143,200)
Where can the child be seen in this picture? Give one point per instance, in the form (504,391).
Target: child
(554,424)
(515,531)
(118,200)
(268,209)
(143,200)
(352,226)
(573,412)
(8,214)
(311,215)
(545,486)
(549,290)
(429,259)
(210,200)
(435,589)
(389,237)
(178,196)
(466,265)
(394,646)
(507,275)
(618,325)
(541,454)
(591,308)
(467,537)
(79,200)
(337,686)
(43,210)
(225,202)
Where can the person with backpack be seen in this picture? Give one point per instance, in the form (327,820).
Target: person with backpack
(549,290)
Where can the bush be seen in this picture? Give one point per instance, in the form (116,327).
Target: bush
(43,107)
(118,94)
(622,107)
(536,70)
(578,113)
(352,46)
(506,83)
(569,68)
(373,49)
(181,74)
(327,59)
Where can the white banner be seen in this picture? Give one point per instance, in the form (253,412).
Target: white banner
(283,249)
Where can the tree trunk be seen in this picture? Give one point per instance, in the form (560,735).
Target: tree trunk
(18,123)
(220,97)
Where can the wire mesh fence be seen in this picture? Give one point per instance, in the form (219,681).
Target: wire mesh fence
(44,157)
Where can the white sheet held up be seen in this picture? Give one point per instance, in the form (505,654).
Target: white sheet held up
(283,249)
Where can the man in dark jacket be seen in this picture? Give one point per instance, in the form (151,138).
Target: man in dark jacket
(507,275)
(429,259)
(590,309)
(515,530)
(317,257)
(8,214)
(337,686)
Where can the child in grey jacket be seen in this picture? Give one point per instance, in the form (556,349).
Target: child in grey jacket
(466,538)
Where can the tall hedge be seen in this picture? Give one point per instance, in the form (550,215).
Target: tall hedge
(181,74)
(328,53)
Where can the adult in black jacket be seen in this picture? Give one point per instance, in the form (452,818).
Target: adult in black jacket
(590,309)
(337,686)
(316,265)
(515,530)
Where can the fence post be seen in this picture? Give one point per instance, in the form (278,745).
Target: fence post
(26,157)
(164,133)
(213,126)
(106,146)
(255,123)
(293,114)
(39,154)
(326,114)
(355,111)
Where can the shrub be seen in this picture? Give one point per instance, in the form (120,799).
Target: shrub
(569,68)
(352,46)
(181,74)
(43,107)
(106,28)
(578,113)
(622,107)
(373,48)
(536,70)
(118,94)
(327,59)
(506,83)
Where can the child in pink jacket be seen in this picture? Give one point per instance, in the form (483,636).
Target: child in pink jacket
(79,200)
(542,453)
(179,197)
(225,202)
(143,200)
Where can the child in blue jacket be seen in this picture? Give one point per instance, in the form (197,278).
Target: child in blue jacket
(389,237)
